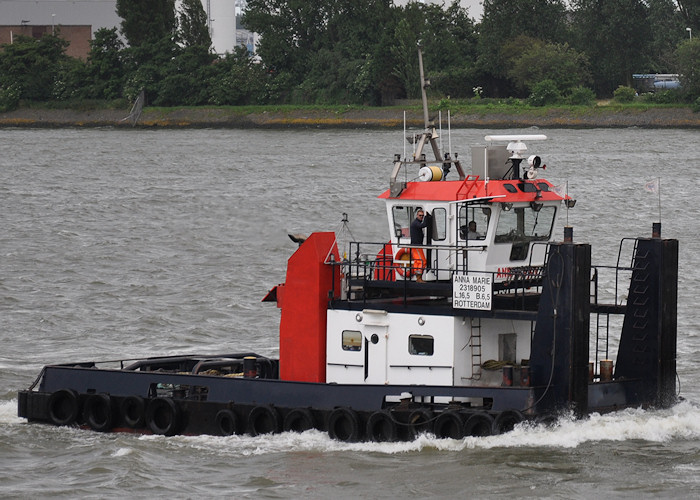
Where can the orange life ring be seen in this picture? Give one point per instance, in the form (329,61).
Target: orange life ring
(415,262)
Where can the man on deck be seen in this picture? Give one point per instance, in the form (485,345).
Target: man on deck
(417,237)
(417,228)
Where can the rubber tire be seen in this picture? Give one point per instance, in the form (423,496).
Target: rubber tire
(344,425)
(479,424)
(63,407)
(98,412)
(449,424)
(263,419)
(133,411)
(420,421)
(298,420)
(381,427)
(163,416)
(227,422)
(506,421)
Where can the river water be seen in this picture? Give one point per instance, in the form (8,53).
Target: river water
(127,243)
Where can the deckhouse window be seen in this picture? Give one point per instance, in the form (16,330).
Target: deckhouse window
(402,218)
(421,345)
(524,224)
(439,224)
(351,340)
(477,214)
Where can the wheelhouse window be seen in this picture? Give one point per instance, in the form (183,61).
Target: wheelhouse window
(402,217)
(439,224)
(421,345)
(476,216)
(524,224)
(351,340)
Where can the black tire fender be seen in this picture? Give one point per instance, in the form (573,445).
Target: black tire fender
(63,407)
(479,424)
(420,421)
(227,422)
(263,419)
(298,420)
(381,427)
(449,424)
(163,416)
(133,411)
(506,421)
(344,425)
(98,412)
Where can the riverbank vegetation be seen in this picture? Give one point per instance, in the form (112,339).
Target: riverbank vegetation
(521,55)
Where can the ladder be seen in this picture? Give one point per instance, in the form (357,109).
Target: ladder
(475,343)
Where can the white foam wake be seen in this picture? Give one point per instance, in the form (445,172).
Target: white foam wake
(680,422)
(8,412)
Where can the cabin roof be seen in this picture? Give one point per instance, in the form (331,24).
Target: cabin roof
(509,191)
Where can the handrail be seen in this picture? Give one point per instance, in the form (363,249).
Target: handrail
(471,180)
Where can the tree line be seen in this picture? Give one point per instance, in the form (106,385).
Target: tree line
(350,52)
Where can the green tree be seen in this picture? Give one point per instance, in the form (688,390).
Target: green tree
(690,12)
(105,68)
(71,81)
(327,47)
(544,93)
(405,54)
(291,31)
(32,66)
(504,20)
(342,67)
(688,56)
(448,39)
(238,80)
(616,36)
(150,29)
(192,29)
(146,21)
(668,32)
(534,61)
(185,78)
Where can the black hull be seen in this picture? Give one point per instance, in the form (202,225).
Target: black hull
(122,400)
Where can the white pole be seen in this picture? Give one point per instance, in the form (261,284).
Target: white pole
(404,135)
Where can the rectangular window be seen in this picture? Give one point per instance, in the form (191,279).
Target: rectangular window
(403,216)
(476,215)
(351,340)
(439,224)
(421,345)
(525,224)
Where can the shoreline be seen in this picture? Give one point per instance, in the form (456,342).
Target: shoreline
(380,118)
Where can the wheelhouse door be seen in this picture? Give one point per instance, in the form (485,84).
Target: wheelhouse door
(375,349)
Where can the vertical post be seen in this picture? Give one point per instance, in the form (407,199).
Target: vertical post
(559,359)
(423,84)
(647,349)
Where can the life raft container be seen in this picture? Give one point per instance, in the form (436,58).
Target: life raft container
(410,262)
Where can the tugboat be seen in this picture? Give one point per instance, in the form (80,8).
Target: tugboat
(471,318)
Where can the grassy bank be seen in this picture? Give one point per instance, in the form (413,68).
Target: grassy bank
(462,115)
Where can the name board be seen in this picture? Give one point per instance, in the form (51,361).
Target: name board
(472,291)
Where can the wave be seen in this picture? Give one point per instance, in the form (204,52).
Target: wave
(681,422)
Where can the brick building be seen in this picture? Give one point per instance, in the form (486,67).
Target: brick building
(78,36)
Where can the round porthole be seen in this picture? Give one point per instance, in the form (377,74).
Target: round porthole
(374,338)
